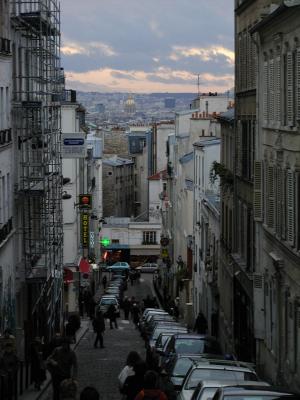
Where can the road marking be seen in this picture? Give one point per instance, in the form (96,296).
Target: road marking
(142,280)
(124,321)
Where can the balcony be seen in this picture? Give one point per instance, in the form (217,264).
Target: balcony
(5,137)
(5,48)
(5,230)
(69,96)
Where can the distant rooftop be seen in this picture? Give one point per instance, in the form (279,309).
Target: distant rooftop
(117,161)
(186,158)
(227,115)
(207,142)
(158,175)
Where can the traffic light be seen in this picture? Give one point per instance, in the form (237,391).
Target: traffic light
(85,200)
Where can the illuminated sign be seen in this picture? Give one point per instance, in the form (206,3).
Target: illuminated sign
(85,200)
(85,230)
(105,241)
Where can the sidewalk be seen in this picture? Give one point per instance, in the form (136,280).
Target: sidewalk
(31,393)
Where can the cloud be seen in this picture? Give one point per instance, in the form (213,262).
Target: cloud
(154,27)
(162,79)
(205,54)
(75,48)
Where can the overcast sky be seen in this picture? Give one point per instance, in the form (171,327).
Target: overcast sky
(148,45)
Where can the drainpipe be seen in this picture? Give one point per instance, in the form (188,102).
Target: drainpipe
(280,304)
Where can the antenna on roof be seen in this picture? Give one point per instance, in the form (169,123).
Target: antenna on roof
(198,84)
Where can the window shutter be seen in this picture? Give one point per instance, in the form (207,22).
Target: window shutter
(277,86)
(298,83)
(258,191)
(265,92)
(289,87)
(259,312)
(270,206)
(279,186)
(271,90)
(238,147)
(290,201)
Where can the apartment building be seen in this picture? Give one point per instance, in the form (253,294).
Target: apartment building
(7,220)
(277,196)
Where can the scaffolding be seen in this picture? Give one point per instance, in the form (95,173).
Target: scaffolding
(37,86)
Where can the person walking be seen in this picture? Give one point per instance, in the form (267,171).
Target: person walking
(200,324)
(62,364)
(132,359)
(134,383)
(104,281)
(99,328)
(38,372)
(150,388)
(135,312)
(112,316)
(9,365)
(126,307)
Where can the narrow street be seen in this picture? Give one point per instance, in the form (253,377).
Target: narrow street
(100,367)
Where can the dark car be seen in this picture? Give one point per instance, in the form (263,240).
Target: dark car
(161,321)
(178,367)
(241,392)
(187,343)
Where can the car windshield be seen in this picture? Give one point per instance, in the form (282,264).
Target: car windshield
(105,302)
(261,397)
(182,366)
(196,346)
(210,374)
(207,393)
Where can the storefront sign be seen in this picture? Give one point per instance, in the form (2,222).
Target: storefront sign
(85,230)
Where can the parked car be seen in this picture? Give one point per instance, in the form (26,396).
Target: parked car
(187,343)
(219,370)
(244,392)
(121,264)
(207,389)
(148,267)
(106,301)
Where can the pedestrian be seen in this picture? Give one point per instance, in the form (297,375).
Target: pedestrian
(99,328)
(9,364)
(132,359)
(131,277)
(38,369)
(68,389)
(150,388)
(166,385)
(134,383)
(89,393)
(104,281)
(71,331)
(200,324)
(135,312)
(62,364)
(112,316)
(7,337)
(126,307)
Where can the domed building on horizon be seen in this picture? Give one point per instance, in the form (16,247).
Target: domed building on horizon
(129,105)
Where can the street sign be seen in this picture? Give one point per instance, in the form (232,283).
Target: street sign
(85,230)
(73,145)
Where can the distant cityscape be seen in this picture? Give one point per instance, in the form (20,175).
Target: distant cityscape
(125,109)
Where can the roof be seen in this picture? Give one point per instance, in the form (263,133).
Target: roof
(207,142)
(117,161)
(187,158)
(227,116)
(186,112)
(276,13)
(158,176)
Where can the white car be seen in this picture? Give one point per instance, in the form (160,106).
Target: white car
(148,267)
(106,301)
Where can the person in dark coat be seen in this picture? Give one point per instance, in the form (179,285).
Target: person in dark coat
(99,328)
(38,372)
(9,365)
(126,307)
(134,383)
(112,316)
(104,281)
(200,324)
(135,312)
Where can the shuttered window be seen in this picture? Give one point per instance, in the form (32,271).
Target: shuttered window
(279,177)
(258,201)
(298,83)
(259,306)
(271,90)
(265,92)
(277,91)
(238,148)
(290,211)
(289,89)
(270,205)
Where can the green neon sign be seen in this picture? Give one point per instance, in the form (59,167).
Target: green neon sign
(105,241)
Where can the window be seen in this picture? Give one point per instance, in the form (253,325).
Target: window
(149,237)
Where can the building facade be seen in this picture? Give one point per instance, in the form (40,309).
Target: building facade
(277,196)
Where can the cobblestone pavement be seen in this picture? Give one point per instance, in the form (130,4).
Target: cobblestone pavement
(100,367)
